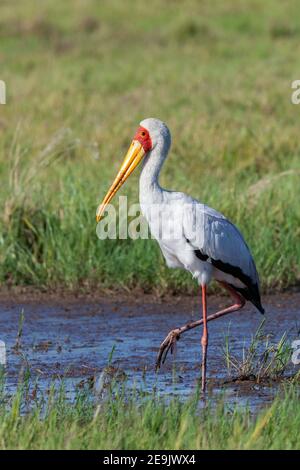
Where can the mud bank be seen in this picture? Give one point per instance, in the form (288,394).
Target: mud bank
(72,339)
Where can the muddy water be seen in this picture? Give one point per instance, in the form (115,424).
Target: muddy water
(75,339)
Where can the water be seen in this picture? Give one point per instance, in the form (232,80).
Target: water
(74,340)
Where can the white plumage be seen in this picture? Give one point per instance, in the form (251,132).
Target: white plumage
(191,235)
(205,243)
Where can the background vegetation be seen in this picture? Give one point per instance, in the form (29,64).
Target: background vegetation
(80,76)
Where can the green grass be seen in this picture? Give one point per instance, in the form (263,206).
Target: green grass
(81,75)
(262,359)
(30,421)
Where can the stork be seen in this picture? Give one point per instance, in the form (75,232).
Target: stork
(191,235)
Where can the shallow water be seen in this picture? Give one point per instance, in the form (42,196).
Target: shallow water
(74,340)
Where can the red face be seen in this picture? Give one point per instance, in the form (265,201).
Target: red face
(140,145)
(143,136)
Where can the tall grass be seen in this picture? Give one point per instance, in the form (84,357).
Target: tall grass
(122,421)
(261,359)
(219,75)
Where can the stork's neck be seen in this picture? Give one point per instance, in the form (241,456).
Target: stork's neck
(150,190)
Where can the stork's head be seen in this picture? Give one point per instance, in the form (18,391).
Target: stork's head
(150,134)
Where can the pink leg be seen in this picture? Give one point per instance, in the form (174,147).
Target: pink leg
(204,339)
(174,335)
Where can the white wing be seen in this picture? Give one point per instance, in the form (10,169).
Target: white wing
(217,241)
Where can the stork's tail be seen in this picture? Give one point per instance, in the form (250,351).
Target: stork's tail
(252,294)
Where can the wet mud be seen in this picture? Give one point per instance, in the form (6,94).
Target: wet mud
(77,340)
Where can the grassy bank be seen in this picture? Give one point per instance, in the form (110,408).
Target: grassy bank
(81,75)
(52,422)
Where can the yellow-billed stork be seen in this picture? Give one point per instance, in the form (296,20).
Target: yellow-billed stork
(191,235)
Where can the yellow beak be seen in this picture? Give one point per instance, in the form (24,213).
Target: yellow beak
(133,157)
